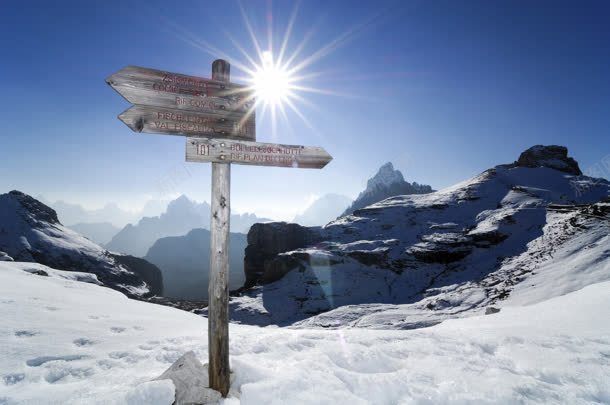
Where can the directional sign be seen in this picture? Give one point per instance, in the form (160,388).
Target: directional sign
(172,90)
(159,120)
(255,153)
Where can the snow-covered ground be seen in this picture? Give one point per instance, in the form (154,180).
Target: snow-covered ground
(64,341)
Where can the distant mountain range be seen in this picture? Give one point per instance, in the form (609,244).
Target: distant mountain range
(323,210)
(386,183)
(184,262)
(99,232)
(72,214)
(182,216)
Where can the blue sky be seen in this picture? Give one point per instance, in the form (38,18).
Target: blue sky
(443,89)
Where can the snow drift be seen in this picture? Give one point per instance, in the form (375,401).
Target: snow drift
(65,341)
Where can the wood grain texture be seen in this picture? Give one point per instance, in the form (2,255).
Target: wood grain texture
(146,86)
(218,307)
(159,120)
(256,153)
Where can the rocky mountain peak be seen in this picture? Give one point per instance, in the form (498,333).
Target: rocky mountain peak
(386,176)
(551,156)
(387,182)
(36,210)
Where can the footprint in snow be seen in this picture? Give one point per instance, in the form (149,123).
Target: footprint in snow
(11,379)
(39,361)
(117,329)
(83,342)
(25,333)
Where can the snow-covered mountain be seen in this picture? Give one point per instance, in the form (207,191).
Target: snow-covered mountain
(31,232)
(386,183)
(535,228)
(70,342)
(99,232)
(182,215)
(184,262)
(323,210)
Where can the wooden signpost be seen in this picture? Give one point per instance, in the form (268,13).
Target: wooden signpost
(218,118)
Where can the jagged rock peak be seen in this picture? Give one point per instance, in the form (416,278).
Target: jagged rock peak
(551,156)
(386,175)
(388,182)
(38,210)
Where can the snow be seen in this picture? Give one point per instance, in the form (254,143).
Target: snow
(65,341)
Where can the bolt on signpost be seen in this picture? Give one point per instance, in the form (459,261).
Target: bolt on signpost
(217,116)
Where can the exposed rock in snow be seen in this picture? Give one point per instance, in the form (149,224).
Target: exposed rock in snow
(411,261)
(31,232)
(191,380)
(386,183)
(552,156)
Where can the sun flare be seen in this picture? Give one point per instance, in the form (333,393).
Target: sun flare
(271,82)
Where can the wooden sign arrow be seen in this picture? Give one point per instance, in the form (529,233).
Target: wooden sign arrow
(218,124)
(146,86)
(255,153)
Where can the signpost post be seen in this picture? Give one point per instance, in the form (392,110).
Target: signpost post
(218,118)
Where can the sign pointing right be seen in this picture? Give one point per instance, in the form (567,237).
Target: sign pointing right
(255,153)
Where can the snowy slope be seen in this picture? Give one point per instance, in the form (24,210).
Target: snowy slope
(414,260)
(69,342)
(31,231)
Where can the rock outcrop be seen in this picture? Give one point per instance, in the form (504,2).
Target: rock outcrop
(551,156)
(266,241)
(30,231)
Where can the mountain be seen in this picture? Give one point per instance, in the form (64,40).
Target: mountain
(99,232)
(386,183)
(516,233)
(323,210)
(182,215)
(31,232)
(184,262)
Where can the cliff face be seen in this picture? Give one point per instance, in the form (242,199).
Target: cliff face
(265,242)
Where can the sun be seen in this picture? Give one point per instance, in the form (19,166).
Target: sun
(271,82)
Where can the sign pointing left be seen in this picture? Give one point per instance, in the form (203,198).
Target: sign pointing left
(159,120)
(173,90)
